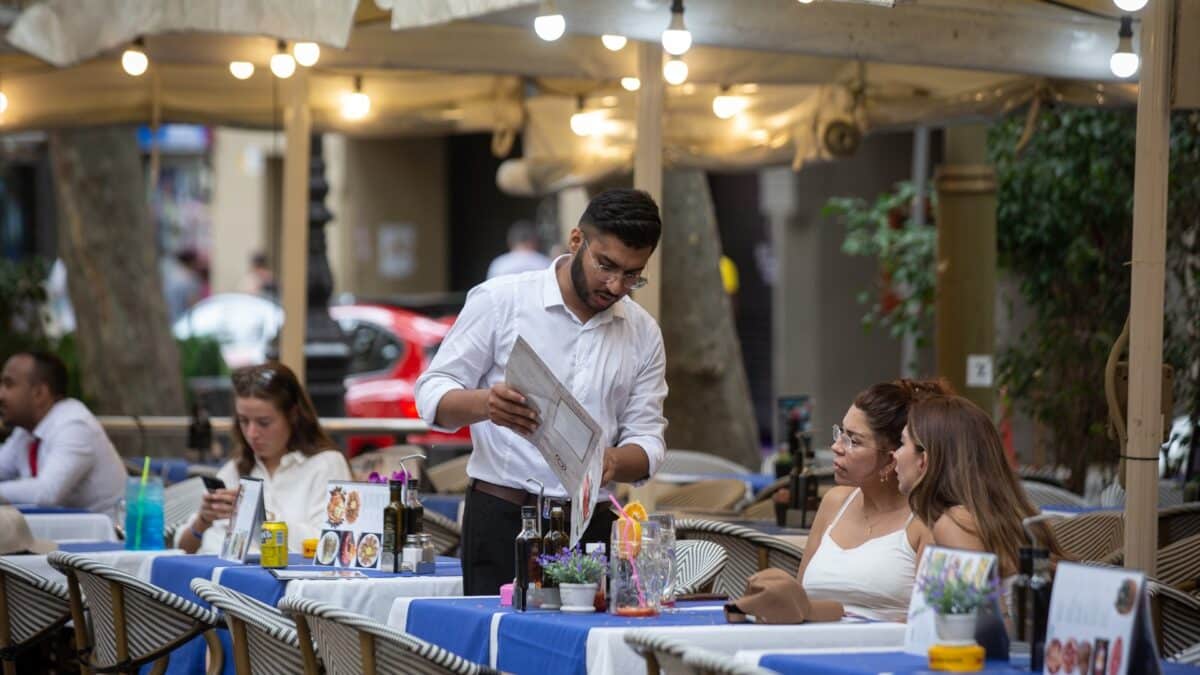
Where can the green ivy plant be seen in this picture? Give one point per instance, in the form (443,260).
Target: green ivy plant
(886,231)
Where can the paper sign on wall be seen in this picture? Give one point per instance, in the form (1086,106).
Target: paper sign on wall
(247,518)
(940,566)
(352,533)
(1099,623)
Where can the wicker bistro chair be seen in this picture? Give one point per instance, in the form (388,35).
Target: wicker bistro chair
(1177,565)
(748,552)
(697,564)
(134,623)
(663,655)
(264,640)
(351,644)
(449,477)
(180,501)
(706,662)
(690,461)
(446,533)
(1042,494)
(31,609)
(1092,536)
(705,496)
(1189,656)
(1178,522)
(1177,618)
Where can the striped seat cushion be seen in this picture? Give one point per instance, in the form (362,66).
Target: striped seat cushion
(338,633)
(36,605)
(748,552)
(272,644)
(697,563)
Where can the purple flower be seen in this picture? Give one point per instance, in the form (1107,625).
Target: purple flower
(376,478)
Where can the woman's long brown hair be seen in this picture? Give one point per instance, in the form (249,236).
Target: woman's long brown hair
(965,466)
(277,384)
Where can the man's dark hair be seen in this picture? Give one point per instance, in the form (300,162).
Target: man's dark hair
(49,370)
(522,232)
(629,215)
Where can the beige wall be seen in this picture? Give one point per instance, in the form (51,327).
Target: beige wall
(239,207)
(390,206)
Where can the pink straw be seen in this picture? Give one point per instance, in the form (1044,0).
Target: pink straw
(637,582)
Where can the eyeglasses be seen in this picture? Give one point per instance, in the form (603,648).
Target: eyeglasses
(260,375)
(608,273)
(841,435)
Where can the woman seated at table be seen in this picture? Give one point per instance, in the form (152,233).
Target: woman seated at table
(952,466)
(864,543)
(278,439)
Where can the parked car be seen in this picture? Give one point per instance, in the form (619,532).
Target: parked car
(243,324)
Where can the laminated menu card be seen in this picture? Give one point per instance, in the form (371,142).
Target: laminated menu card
(247,518)
(352,531)
(1099,623)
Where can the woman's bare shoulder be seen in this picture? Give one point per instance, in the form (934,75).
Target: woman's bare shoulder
(956,528)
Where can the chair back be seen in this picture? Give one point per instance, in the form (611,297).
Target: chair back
(712,663)
(697,564)
(133,622)
(1042,494)
(1177,618)
(1091,536)
(31,608)
(662,654)
(1178,522)
(264,640)
(707,495)
(180,501)
(446,533)
(449,477)
(690,461)
(352,644)
(748,552)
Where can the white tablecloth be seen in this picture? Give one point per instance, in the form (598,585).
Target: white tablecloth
(374,597)
(136,563)
(62,527)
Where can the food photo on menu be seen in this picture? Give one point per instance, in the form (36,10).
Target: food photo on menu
(354,526)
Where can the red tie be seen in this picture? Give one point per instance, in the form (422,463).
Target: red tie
(33,448)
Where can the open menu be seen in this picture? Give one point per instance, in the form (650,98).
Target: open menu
(247,518)
(568,437)
(352,532)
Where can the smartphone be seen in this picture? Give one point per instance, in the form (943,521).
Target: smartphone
(213,483)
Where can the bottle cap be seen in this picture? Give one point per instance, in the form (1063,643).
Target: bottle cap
(529,512)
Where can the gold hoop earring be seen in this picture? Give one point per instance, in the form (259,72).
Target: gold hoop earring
(883,476)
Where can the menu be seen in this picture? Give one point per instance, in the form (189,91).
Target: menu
(938,566)
(352,535)
(247,518)
(568,437)
(1099,622)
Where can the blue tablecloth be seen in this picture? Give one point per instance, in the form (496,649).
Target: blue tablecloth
(251,579)
(852,663)
(34,509)
(530,642)
(91,546)
(446,505)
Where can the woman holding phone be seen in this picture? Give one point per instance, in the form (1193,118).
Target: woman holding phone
(278,440)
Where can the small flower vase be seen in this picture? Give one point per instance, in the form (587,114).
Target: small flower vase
(956,629)
(578,597)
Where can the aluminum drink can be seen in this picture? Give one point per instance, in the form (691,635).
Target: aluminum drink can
(274,544)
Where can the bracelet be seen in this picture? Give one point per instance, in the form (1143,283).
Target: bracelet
(198,535)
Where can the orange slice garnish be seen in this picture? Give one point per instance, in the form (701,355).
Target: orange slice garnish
(636,511)
(629,538)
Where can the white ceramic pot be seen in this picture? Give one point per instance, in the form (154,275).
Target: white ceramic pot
(578,597)
(550,598)
(956,628)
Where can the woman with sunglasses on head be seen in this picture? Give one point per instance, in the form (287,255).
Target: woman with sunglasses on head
(952,467)
(864,543)
(278,439)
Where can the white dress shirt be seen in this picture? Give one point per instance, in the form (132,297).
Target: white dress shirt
(296,494)
(77,465)
(614,365)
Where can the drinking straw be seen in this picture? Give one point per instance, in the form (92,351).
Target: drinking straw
(637,582)
(137,536)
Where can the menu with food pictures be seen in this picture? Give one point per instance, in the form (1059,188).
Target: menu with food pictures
(247,518)
(967,572)
(352,533)
(1099,623)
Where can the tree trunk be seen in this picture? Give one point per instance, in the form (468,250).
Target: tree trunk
(128,358)
(709,407)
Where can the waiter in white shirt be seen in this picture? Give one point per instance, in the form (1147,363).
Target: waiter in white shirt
(601,344)
(58,454)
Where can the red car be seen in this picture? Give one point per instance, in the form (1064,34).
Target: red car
(389,348)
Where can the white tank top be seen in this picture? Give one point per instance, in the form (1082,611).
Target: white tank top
(874,579)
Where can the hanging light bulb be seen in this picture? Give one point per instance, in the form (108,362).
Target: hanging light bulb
(675,71)
(242,70)
(549,24)
(631,83)
(1124,62)
(726,106)
(676,39)
(282,63)
(1129,5)
(306,53)
(134,59)
(614,43)
(356,104)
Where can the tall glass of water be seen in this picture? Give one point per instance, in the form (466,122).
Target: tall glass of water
(666,525)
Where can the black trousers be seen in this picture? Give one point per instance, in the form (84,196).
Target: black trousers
(490,528)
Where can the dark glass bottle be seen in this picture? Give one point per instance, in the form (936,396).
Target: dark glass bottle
(1040,587)
(556,539)
(1020,596)
(414,512)
(393,527)
(528,548)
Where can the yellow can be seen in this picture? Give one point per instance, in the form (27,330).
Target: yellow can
(274,544)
